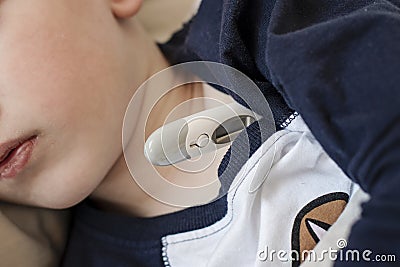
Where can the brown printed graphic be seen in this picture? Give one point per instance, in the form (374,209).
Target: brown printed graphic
(314,220)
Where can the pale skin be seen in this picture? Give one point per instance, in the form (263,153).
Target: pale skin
(68,69)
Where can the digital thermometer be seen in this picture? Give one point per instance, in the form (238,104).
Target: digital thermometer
(197,134)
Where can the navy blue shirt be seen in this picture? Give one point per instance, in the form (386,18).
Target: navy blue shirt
(103,239)
(335,62)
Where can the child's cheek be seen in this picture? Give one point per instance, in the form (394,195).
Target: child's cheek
(53,59)
(54,75)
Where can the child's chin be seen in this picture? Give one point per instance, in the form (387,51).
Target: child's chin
(57,203)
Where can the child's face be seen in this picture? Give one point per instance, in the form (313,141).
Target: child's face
(65,76)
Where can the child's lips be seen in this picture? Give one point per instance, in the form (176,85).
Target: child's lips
(14,155)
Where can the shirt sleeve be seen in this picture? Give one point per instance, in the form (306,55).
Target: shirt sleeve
(338,64)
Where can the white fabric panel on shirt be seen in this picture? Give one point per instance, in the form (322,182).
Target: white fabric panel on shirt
(301,172)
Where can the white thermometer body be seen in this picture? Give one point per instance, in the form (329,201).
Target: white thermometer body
(196,134)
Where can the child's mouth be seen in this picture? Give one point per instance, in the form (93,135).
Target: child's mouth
(15,155)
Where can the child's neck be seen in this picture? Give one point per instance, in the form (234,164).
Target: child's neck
(119,192)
